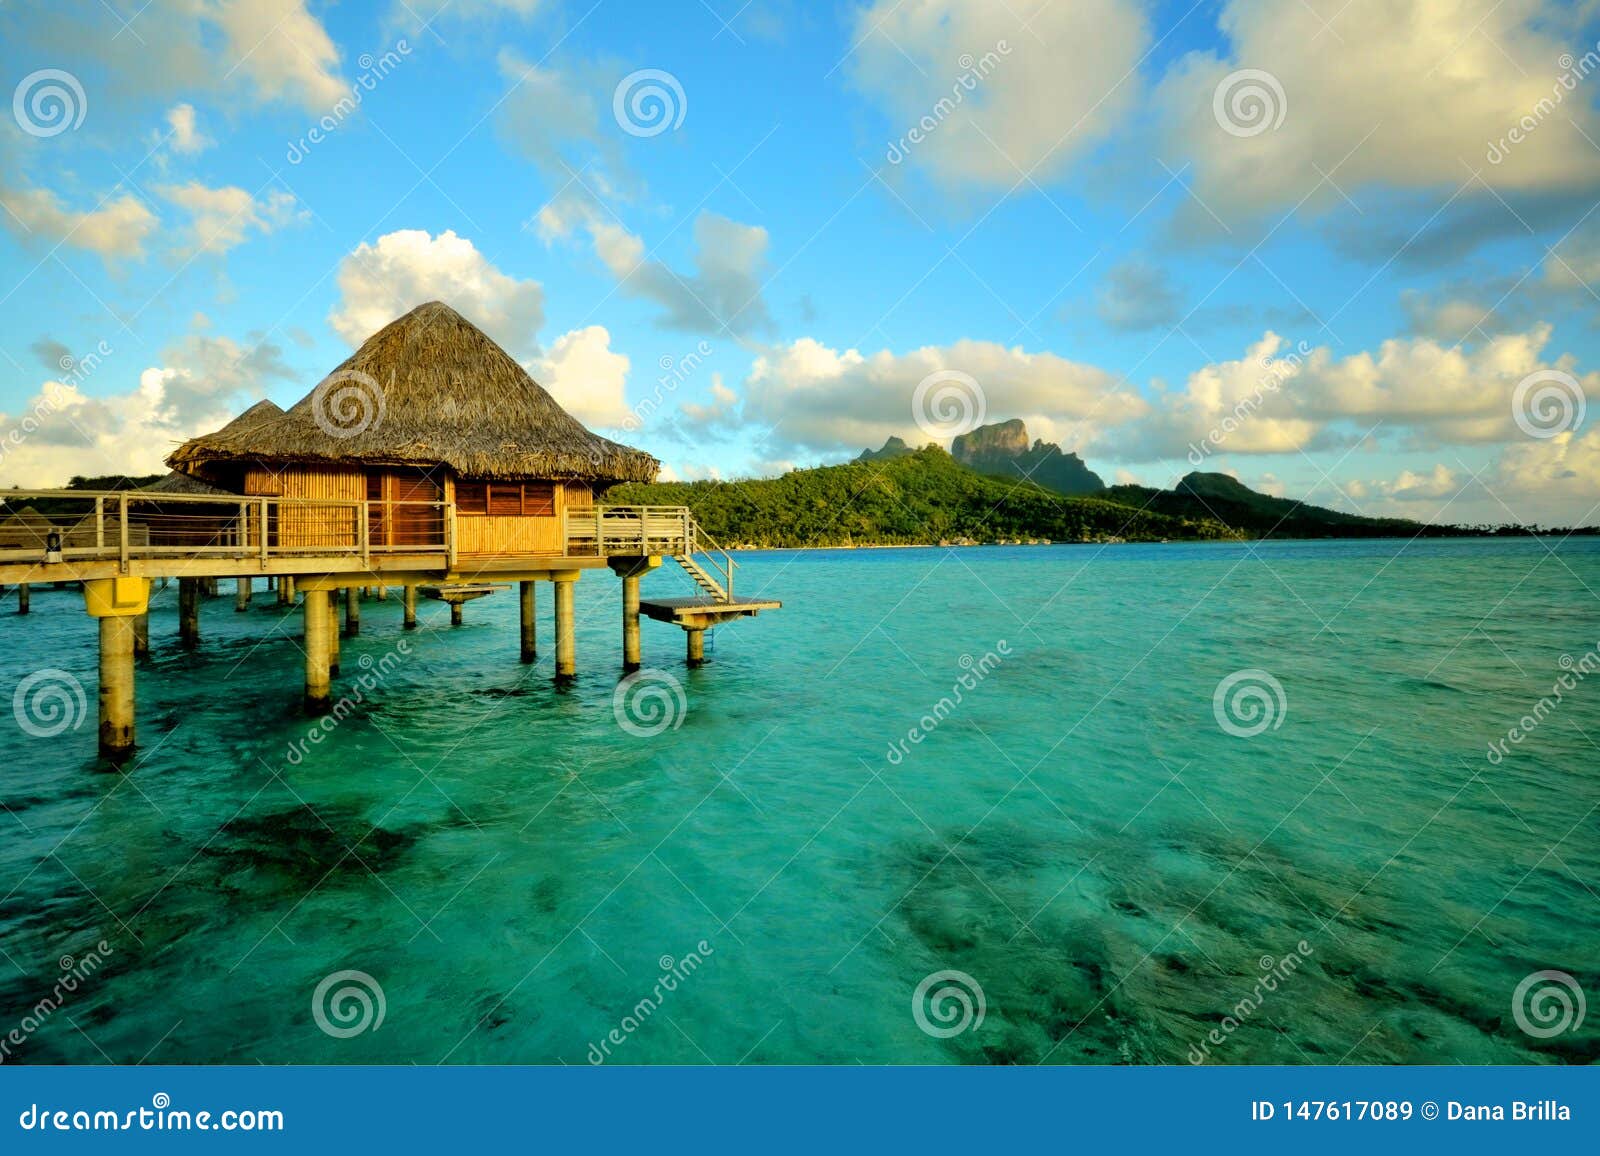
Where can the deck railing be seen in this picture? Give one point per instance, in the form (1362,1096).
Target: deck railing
(126,525)
(604,531)
(121,525)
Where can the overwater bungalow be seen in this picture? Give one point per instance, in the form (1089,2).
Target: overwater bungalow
(429,456)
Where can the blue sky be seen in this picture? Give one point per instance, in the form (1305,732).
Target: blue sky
(1296,242)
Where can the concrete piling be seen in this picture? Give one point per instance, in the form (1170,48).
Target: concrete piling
(320,625)
(116,687)
(630,623)
(566,637)
(530,633)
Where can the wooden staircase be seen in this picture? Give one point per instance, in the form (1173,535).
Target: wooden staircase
(703,578)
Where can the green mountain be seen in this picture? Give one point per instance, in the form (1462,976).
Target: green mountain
(922,496)
(1229,501)
(1002,449)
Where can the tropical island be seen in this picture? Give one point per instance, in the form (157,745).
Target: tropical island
(993,486)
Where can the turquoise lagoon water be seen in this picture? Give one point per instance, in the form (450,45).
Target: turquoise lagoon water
(1079,835)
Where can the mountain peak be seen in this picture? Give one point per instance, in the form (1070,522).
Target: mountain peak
(1003,448)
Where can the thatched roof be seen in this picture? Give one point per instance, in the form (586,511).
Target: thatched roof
(176,483)
(429,388)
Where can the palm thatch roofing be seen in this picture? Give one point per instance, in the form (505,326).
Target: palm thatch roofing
(180,484)
(427,389)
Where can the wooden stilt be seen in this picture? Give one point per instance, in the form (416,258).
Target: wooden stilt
(530,633)
(383,594)
(455,614)
(116,687)
(352,612)
(321,629)
(630,624)
(411,607)
(697,647)
(141,636)
(22,598)
(566,640)
(189,611)
(241,595)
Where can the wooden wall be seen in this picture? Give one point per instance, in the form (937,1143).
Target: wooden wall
(482,535)
(478,535)
(314,525)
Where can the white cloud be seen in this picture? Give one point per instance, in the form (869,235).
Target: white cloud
(586,377)
(221,218)
(379,282)
(63,430)
(723,292)
(1278,400)
(1043,80)
(1406,96)
(1550,480)
(825,400)
(185,136)
(259,51)
(115,228)
(283,50)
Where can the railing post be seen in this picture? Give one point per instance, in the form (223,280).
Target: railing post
(100,523)
(244,527)
(449,535)
(364,533)
(600,533)
(122,520)
(263,515)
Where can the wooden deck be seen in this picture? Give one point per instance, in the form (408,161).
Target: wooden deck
(704,611)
